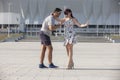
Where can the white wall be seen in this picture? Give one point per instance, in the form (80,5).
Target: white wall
(1,6)
(9,18)
(81,8)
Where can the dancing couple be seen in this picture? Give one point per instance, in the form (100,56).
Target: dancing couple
(49,25)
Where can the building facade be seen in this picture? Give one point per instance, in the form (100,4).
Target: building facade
(31,13)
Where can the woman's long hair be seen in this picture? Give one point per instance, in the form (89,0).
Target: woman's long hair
(68,11)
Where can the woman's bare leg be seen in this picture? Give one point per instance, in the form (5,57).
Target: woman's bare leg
(67,49)
(70,62)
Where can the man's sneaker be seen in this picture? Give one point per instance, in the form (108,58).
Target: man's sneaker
(42,66)
(52,66)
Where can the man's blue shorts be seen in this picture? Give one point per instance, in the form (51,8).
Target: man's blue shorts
(45,39)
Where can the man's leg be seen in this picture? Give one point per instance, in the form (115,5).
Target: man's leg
(50,50)
(42,55)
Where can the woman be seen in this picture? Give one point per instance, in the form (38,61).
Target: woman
(69,21)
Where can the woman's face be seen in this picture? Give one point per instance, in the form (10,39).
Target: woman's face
(69,14)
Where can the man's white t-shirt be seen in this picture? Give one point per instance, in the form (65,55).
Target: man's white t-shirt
(46,23)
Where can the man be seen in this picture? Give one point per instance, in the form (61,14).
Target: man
(47,26)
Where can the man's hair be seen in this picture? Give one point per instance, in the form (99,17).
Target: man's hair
(57,10)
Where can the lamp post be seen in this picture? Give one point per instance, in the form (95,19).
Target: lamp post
(9,5)
(119,17)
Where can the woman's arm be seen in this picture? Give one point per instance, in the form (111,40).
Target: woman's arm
(78,24)
(62,20)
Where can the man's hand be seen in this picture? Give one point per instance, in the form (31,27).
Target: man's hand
(59,24)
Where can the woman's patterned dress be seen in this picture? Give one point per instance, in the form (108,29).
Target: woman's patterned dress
(69,33)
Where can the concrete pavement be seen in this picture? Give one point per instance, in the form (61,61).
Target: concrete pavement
(93,61)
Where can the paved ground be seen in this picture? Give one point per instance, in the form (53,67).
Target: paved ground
(93,61)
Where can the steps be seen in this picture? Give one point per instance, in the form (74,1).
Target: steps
(92,39)
(95,39)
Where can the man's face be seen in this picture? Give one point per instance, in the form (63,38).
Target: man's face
(57,14)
